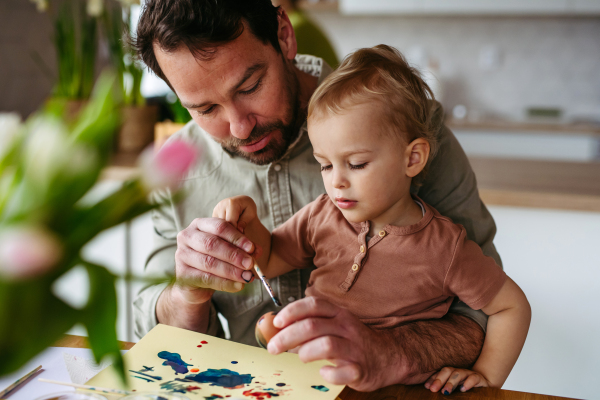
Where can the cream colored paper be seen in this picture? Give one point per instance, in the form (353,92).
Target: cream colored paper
(295,379)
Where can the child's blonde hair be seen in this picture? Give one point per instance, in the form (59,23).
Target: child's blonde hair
(380,74)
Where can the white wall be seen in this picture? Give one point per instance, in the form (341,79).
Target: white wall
(543,61)
(553,256)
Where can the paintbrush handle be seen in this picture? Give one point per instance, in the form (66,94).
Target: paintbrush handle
(266,284)
(87,387)
(19,382)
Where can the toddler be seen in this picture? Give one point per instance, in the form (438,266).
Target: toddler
(380,252)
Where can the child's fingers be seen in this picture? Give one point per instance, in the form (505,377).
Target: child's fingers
(441,379)
(430,380)
(457,376)
(470,382)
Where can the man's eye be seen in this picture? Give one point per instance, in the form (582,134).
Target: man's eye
(253,88)
(207,111)
(359,166)
(325,167)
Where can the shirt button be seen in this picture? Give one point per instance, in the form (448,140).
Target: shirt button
(291,298)
(277,167)
(355,267)
(382,233)
(362,249)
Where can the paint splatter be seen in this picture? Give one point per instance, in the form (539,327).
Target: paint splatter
(320,388)
(199,345)
(204,342)
(234,362)
(213,397)
(194,370)
(177,387)
(146,369)
(174,361)
(158,378)
(139,377)
(222,377)
(280,384)
(260,395)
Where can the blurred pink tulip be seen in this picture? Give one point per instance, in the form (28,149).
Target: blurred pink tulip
(28,252)
(167,167)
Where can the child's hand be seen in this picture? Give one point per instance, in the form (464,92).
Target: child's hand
(449,378)
(239,211)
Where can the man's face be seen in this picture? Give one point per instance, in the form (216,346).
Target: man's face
(245,97)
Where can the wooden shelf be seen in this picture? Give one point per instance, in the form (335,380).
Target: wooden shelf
(505,182)
(318,6)
(529,127)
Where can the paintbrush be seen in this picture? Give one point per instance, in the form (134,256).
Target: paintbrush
(266,284)
(19,382)
(87,387)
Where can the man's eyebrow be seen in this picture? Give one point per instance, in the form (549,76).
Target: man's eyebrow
(249,72)
(346,154)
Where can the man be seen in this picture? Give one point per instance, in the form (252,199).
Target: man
(234,66)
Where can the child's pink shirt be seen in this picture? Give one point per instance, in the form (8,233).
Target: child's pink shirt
(402,274)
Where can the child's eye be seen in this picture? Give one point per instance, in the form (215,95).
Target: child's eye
(325,167)
(359,166)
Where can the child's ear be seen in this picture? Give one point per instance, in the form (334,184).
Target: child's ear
(417,154)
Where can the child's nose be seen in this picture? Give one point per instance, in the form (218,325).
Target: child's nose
(339,181)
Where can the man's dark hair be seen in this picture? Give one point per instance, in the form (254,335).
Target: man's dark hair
(201,25)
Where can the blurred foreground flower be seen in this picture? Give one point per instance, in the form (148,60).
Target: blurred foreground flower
(27,252)
(167,167)
(49,167)
(10,126)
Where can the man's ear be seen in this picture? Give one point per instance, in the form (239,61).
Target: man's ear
(417,154)
(286,35)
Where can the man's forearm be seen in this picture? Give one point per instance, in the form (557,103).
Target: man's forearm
(173,309)
(424,347)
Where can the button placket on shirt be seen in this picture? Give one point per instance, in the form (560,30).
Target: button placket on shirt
(280,196)
(361,257)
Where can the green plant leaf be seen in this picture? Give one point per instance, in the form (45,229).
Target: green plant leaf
(100,317)
(31,319)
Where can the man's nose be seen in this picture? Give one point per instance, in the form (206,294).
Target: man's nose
(241,122)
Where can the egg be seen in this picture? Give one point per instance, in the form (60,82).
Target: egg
(265,329)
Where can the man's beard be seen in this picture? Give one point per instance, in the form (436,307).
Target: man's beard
(278,144)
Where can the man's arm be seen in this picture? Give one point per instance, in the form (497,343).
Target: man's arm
(367,359)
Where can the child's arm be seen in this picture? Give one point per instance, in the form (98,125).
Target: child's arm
(509,316)
(240,211)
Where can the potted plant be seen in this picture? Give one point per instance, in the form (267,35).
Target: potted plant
(139,118)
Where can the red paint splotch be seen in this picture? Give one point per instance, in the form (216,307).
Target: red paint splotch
(259,395)
(194,370)
(190,388)
(199,345)
(204,342)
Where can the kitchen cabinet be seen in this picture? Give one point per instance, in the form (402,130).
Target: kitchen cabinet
(470,7)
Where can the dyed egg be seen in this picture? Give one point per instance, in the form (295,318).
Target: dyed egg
(265,329)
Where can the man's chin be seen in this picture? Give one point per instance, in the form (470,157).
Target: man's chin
(261,157)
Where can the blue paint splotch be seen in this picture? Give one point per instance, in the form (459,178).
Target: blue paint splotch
(320,388)
(174,361)
(222,377)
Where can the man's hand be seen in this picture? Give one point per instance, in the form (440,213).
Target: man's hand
(367,359)
(211,255)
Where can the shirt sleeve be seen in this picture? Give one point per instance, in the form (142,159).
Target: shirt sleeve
(472,276)
(453,192)
(161,264)
(292,240)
